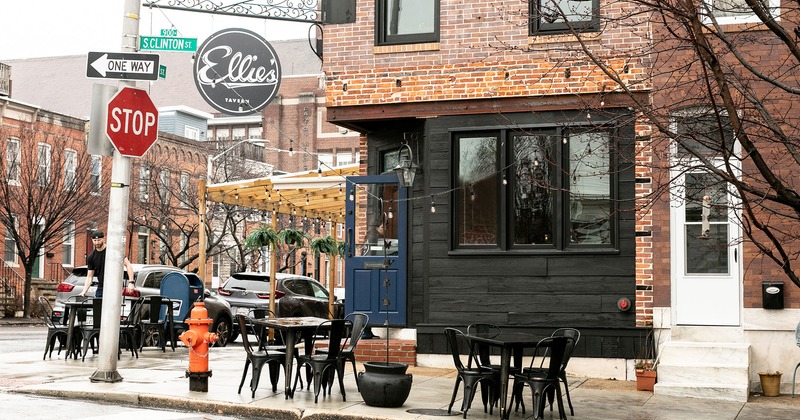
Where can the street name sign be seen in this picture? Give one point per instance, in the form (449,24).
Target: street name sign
(124,66)
(132,123)
(165,43)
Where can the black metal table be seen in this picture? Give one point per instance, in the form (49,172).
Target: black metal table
(305,326)
(508,342)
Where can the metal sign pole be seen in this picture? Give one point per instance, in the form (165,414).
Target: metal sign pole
(117,221)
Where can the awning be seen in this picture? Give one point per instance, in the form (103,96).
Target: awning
(312,194)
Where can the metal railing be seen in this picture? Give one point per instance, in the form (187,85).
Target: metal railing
(12,287)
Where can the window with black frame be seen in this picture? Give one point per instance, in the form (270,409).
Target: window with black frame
(540,190)
(406,21)
(564,16)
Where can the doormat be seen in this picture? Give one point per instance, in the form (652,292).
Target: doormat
(432,412)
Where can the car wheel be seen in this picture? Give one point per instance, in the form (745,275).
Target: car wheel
(222,327)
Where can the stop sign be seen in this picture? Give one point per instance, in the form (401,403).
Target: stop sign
(132,122)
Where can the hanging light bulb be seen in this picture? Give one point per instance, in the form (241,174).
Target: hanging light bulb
(536,161)
(505,180)
(564,139)
(390,215)
(306,199)
(471,193)
(291,151)
(319,172)
(602,102)
(269,196)
(588,115)
(433,205)
(236,196)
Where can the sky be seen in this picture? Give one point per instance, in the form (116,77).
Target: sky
(47,28)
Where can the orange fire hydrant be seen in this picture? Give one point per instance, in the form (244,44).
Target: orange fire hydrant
(197,339)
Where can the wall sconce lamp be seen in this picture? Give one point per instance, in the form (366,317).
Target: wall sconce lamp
(406,169)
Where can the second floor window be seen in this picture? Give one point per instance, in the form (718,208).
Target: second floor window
(738,11)
(43,164)
(184,192)
(163,190)
(406,21)
(12,161)
(70,168)
(68,246)
(10,245)
(144,183)
(564,16)
(96,175)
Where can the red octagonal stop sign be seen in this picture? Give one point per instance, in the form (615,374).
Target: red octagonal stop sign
(132,122)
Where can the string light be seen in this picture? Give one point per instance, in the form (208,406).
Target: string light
(433,205)
(564,139)
(471,193)
(505,181)
(390,215)
(306,199)
(319,172)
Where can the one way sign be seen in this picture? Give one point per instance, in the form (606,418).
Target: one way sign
(125,66)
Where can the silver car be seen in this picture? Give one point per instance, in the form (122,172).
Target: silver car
(147,278)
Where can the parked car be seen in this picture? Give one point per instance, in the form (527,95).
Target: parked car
(147,278)
(295,295)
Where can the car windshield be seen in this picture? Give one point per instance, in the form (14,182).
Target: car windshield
(260,285)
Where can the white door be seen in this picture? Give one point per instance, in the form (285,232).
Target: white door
(705,251)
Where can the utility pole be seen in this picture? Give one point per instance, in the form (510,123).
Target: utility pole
(117,220)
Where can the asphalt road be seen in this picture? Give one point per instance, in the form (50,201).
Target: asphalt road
(15,339)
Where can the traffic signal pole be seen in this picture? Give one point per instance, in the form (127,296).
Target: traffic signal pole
(115,236)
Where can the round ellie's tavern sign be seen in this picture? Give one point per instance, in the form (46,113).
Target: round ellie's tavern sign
(237,71)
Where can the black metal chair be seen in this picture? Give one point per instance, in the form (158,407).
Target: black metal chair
(471,376)
(576,336)
(130,328)
(542,380)
(322,363)
(359,322)
(54,331)
(91,333)
(156,322)
(258,358)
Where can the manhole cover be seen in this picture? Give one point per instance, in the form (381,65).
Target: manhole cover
(433,412)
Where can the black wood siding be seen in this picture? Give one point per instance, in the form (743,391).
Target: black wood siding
(531,292)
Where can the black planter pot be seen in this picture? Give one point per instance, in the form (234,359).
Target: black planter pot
(384,384)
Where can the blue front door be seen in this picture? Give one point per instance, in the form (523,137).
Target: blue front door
(376,249)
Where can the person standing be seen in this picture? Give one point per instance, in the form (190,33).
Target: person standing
(96,264)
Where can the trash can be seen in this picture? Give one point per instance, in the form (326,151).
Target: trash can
(176,287)
(772,295)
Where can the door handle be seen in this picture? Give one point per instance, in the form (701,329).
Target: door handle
(350,242)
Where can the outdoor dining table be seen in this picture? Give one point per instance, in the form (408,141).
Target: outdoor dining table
(72,308)
(507,342)
(306,326)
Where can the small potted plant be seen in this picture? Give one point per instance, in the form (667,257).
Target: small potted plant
(645,365)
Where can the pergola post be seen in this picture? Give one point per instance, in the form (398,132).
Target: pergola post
(331,273)
(201,234)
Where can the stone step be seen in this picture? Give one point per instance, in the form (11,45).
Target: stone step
(704,370)
(699,390)
(704,354)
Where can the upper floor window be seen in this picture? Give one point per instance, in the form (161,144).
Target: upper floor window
(191,132)
(96,175)
(702,133)
(43,164)
(144,183)
(738,11)
(344,158)
(406,21)
(325,161)
(70,169)
(564,16)
(68,246)
(13,157)
(184,189)
(548,189)
(163,189)
(10,244)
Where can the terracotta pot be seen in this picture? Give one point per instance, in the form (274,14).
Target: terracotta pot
(645,379)
(770,383)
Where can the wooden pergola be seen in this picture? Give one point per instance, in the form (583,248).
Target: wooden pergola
(319,194)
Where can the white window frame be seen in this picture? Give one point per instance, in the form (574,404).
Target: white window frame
(70,169)
(191,132)
(163,191)
(184,189)
(184,241)
(144,183)
(96,175)
(774,6)
(13,157)
(10,241)
(344,158)
(43,164)
(143,244)
(68,245)
(325,161)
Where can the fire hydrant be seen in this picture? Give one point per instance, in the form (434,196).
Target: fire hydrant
(197,339)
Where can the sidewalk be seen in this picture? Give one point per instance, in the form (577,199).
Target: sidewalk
(158,379)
